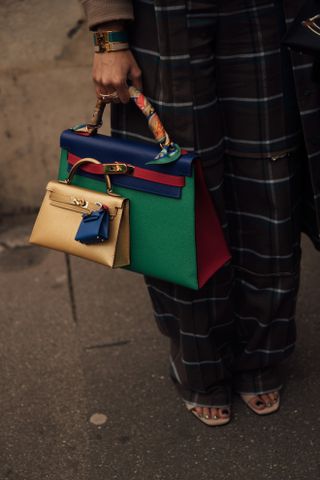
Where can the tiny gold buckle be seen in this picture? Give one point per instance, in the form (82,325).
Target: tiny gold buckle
(117,168)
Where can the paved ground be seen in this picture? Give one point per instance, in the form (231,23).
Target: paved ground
(77,339)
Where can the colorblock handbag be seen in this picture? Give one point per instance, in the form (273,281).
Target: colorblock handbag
(175,233)
(85,223)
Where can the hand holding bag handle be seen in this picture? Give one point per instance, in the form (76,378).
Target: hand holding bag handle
(170,151)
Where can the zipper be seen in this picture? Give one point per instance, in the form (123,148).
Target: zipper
(274,158)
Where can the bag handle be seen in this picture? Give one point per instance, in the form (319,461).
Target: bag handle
(83,161)
(170,151)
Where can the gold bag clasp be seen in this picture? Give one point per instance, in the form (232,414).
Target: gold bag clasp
(117,168)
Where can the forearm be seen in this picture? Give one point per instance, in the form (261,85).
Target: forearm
(107,12)
(112,69)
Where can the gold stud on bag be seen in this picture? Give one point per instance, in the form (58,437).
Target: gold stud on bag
(62,211)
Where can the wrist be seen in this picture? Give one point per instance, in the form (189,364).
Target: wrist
(110,37)
(116,25)
(110,41)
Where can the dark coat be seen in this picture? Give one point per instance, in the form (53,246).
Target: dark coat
(160,41)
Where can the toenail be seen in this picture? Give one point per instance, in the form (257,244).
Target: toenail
(215,417)
(206,417)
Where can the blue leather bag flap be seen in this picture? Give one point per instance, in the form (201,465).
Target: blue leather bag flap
(110,149)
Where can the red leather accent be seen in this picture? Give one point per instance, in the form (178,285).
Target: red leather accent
(158,177)
(150,175)
(212,249)
(90,167)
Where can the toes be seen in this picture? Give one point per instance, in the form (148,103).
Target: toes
(267,400)
(224,412)
(199,411)
(220,412)
(215,413)
(206,413)
(270,398)
(273,396)
(258,402)
(212,413)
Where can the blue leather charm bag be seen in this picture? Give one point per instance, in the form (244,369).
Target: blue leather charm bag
(94,227)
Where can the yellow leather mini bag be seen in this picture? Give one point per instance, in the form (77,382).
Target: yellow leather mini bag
(63,209)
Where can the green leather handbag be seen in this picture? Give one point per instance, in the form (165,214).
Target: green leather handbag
(175,234)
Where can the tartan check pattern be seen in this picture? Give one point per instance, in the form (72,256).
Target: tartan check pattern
(222,85)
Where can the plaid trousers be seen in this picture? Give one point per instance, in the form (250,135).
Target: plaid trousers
(241,324)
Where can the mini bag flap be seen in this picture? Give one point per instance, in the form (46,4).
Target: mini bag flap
(81,199)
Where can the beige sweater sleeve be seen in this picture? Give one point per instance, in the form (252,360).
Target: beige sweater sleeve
(101,11)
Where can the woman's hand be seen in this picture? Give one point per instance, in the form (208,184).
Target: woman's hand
(111,71)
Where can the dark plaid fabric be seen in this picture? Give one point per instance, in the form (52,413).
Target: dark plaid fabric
(223,85)
(243,57)
(243,319)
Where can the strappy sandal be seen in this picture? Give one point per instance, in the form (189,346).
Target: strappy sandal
(211,422)
(248,400)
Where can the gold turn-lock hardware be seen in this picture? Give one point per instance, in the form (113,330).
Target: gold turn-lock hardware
(117,168)
(80,202)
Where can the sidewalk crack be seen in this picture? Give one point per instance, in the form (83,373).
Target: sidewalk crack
(71,290)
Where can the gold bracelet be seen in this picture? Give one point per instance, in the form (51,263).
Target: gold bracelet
(110,41)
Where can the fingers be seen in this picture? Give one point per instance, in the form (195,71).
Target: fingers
(121,87)
(136,77)
(111,71)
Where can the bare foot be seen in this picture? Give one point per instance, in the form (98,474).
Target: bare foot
(262,404)
(265,400)
(213,413)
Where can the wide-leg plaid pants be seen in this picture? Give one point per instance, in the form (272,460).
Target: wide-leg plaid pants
(242,320)
(241,324)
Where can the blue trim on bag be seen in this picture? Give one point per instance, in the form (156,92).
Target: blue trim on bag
(107,149)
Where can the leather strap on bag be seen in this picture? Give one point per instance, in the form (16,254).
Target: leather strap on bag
(133,171)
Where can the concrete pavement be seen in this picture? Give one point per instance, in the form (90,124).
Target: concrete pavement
(78,339)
